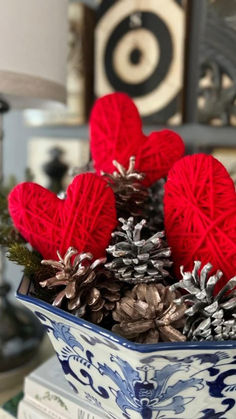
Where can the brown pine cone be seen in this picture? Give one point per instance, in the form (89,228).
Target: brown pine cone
(100,299)
(43,273)
(40,275)
(148,314)
(88,290)
(130,194)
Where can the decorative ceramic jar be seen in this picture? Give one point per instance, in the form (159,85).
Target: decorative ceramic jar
(123,379)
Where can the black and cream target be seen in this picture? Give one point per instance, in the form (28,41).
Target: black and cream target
(139,50)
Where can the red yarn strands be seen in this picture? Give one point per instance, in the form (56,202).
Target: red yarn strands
(115,127)
(200,214)
(85,219)
(116,134)
(159,151)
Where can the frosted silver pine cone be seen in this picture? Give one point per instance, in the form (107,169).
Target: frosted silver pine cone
(209,316)
(129,192)
(148,314)
(138,260)
(88,290)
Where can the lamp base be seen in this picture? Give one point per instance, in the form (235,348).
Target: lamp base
(20,333)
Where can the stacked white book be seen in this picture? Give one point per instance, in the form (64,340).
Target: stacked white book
(48,395)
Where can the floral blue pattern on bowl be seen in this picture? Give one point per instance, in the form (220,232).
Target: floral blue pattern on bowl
(123,379)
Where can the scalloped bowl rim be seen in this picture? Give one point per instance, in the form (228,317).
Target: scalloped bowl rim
(138,347)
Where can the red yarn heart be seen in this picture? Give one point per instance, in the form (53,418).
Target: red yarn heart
(200,215)
(84,220)
(116,134)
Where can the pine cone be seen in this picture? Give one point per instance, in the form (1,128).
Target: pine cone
(108,291)
(209,316)
(89,290)
(37,291)
(136,260)
(129,192)
(148,314)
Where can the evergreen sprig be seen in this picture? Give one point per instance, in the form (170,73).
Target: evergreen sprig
(17,250)
(21,255)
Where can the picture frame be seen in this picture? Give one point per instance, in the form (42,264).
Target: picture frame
(225,154)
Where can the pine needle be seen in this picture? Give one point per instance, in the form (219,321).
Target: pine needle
(21,255)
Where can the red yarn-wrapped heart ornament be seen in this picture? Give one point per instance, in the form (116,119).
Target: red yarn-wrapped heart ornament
(200,215)
(116,134)
(84,220)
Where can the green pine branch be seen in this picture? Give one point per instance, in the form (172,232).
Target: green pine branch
(10,238)
(21,255)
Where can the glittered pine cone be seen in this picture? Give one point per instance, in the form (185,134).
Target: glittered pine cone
(134,259)
(85,289)
(148,314)
(209,315)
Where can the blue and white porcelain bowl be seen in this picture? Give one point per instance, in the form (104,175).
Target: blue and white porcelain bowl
(128,380)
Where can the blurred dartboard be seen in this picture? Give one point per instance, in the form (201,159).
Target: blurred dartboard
(139,50)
